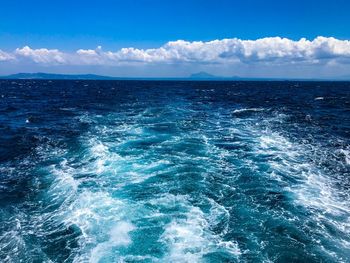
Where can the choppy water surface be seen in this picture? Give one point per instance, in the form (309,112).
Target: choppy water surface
(132,171)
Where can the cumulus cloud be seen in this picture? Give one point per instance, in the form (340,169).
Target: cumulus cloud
(229,51)
(5,56)
(225,51)
(90,56)
(42,55)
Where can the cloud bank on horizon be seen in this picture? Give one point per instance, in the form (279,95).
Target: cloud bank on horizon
(272,51)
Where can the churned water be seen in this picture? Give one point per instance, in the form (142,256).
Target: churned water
(147,171)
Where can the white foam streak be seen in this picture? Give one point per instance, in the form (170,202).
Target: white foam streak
(119,236)
(189,238)
(314,190)
(248,110)
(346,153)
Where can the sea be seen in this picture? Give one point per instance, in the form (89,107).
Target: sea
(174,171)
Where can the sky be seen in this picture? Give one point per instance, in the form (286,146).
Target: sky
(163,38)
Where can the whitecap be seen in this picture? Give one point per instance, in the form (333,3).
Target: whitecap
(346,154)
(248,110)
(119,236)
(189,238)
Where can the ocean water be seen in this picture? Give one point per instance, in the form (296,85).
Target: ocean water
(151,171)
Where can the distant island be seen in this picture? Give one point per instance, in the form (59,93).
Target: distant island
(200,76)
(196,76)
(207,76)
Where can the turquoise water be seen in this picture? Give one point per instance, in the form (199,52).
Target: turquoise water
(95,171)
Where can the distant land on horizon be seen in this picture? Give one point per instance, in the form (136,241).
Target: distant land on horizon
(200,76)
(205,75)
(40,75)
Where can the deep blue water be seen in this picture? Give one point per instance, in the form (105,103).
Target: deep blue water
(143,171)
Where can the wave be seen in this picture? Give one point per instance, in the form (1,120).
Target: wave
(178,180)
(244,110)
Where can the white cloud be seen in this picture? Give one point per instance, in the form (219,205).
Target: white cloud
(231,51)
(272,50)
(42,55)
(89,57)
(5,56)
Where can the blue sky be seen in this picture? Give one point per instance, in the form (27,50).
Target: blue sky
(69,26)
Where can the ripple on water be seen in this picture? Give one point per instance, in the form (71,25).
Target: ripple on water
(198,178)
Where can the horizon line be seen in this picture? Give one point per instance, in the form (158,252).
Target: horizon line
(92,76)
